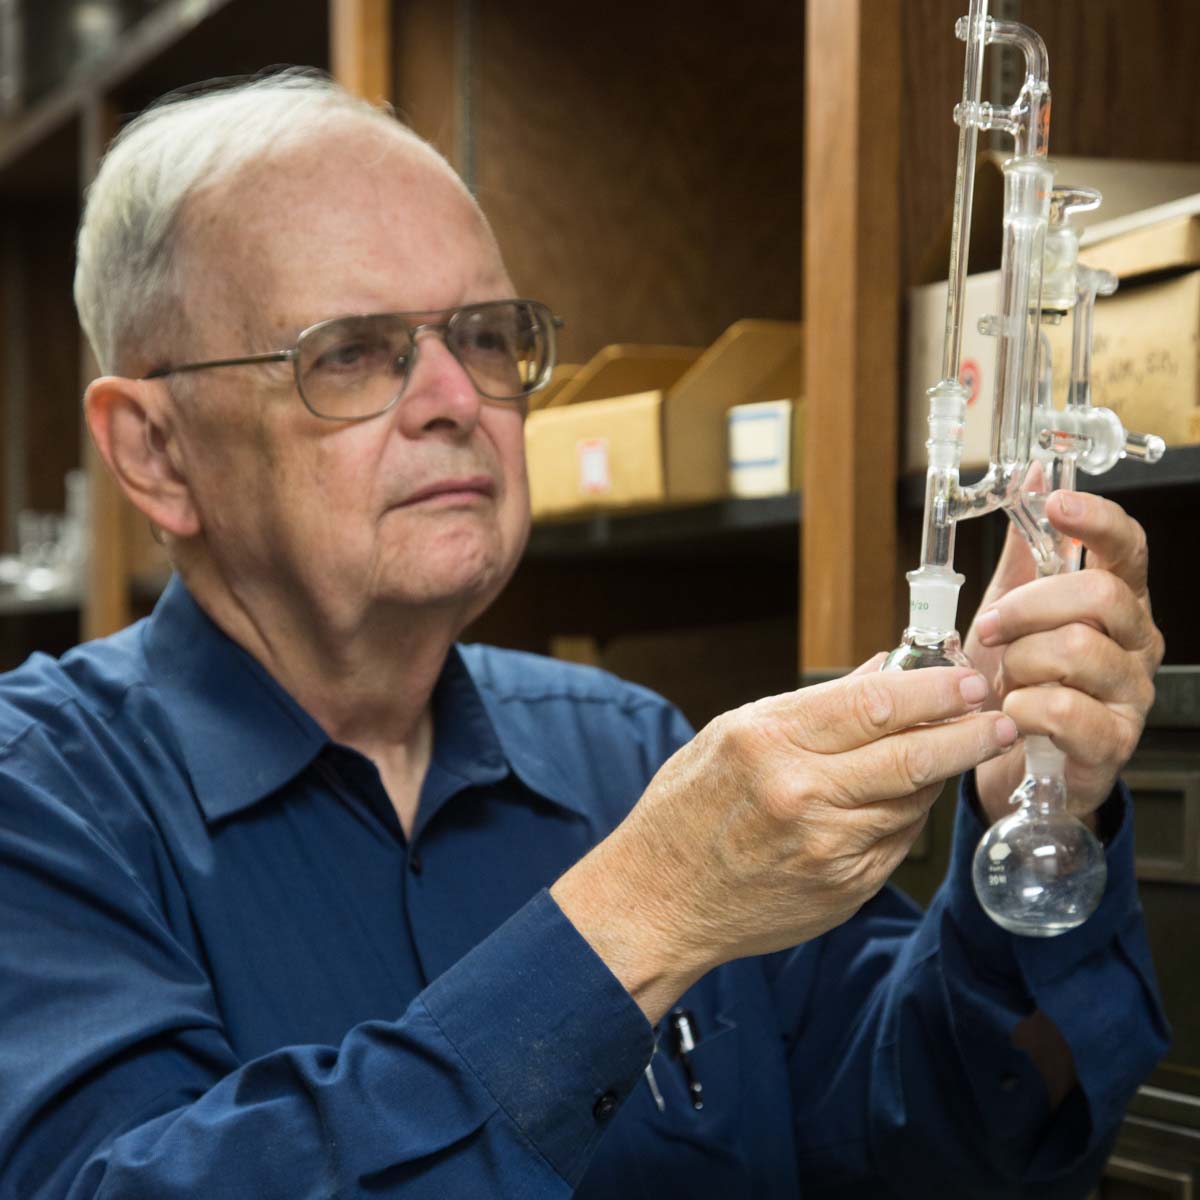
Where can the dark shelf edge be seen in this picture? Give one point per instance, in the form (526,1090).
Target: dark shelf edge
(616,533)
(35,606)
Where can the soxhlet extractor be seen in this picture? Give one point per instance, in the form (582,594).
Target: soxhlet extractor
(1038,871)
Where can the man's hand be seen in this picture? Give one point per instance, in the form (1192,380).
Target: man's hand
(1089,635)
(775,824)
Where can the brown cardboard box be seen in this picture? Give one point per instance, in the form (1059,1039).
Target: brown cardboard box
(1133,235)
(1154,240)
(640,426)
(1145,357)
(1131,190)
(977,364)
(1172,245)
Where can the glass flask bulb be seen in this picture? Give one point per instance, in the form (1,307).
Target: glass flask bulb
(920,648)
(1039,871)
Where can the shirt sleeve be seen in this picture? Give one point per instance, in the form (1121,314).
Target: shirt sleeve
(899,1025)
(119,1082)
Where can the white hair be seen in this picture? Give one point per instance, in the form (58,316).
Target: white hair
(128,286)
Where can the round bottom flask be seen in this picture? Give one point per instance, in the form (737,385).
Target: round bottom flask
(1039,872)
(926,648)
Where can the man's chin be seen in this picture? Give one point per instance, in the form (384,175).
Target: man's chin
(465,587)
(463,567)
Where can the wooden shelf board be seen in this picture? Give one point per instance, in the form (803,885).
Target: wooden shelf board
(12,604)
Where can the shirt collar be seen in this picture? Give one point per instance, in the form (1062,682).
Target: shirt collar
(243,736)
(527,757)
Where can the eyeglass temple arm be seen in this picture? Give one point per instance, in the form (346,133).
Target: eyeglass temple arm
(274,356)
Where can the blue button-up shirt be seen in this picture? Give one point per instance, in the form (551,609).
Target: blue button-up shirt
(226,972)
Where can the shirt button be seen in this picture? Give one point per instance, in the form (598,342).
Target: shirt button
(604,1108)
(414,862)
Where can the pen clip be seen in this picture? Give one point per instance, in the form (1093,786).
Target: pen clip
(681,1041)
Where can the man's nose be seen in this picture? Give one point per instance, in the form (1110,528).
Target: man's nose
(440,394)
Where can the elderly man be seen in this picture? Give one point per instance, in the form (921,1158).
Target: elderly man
(300,898)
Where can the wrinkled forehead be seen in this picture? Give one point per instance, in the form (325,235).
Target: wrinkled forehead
(360,218)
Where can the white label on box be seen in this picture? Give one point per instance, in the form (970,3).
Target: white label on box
(759,448)
(755,439)
(594,476)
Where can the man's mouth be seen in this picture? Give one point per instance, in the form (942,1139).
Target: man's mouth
(459,490)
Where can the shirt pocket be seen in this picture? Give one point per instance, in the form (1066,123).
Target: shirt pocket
(715,1064)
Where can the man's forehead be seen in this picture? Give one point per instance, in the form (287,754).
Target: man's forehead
(357,176)
(360,220)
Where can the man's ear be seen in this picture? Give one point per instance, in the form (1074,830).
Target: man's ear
(131,426)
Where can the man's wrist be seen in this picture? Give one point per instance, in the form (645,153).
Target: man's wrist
(628,927)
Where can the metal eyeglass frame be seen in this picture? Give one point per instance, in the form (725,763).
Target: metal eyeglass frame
(551,324)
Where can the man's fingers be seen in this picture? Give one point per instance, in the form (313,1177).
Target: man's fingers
(1092,597)
(1080,657)
(906,762)
(831,718)
(1115,541)
(1088,731)
(1015,567)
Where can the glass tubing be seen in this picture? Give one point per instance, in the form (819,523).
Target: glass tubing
(1036,236)
(1028,181)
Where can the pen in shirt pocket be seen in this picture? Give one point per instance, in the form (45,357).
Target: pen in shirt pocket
(681,1041)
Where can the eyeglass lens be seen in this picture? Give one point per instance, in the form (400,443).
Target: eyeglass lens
(356,367)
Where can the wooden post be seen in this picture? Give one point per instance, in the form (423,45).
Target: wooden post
(106,603)
(360,49)
(433,76)
(851,314)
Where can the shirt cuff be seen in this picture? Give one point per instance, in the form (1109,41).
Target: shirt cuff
(547,1028)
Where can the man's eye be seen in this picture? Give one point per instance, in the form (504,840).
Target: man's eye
(491,341)
(361,354)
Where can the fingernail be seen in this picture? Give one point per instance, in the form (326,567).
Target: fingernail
(1006,731)
(974,688)
(987,626)
(1066,504)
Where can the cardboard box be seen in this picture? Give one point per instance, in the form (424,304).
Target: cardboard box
(1164,238)
(1135,193)
(640,426)
(926,334)
(1132,235)
(1145,357)
(1145,360)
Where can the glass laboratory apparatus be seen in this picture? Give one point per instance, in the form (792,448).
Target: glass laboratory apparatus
(1039,871)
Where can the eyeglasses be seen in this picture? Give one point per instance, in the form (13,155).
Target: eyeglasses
(353,368)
